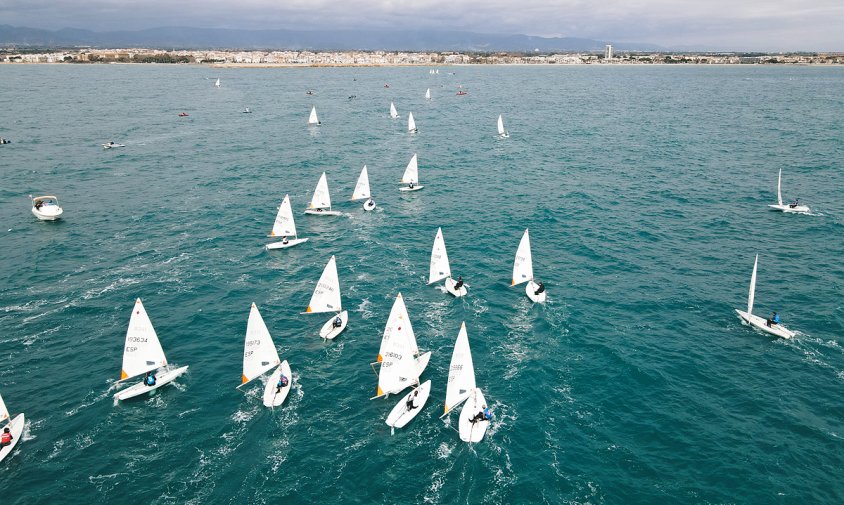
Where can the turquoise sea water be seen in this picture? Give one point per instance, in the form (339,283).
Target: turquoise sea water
(645,190)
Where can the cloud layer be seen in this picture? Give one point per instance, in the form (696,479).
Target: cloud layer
(776,25)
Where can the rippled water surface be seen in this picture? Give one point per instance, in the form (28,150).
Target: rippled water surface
(645,190)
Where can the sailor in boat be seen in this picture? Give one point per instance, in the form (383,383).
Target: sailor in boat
(411,402)
(111,142)
(484,415)
(282,383)
(149,380)
(319,209)
(794,204)
(774,320)
(370,203)
(337,322)
(4,141)
(411,185)
(309,92)
(284,240)
(540,289)
(6,438)
(459,283)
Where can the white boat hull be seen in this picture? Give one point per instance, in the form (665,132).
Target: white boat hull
(800,209)
(16,428)
(48,212)
(317,212)
(369,205)
(400,415)
(161,379)
(422,362)
(504,135)
(328,330)
(472,432)
(457,293)
(414,188)
(760,323)
(271,397)
(530,291)
(112,146)
(290,243)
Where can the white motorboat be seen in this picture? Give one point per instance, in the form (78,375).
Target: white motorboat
(46,208)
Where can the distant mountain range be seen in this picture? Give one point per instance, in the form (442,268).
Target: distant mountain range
(216,38)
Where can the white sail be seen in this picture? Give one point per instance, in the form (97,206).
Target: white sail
(362,187)
(428,94)
(398,310)
(217,84)
(313,119)
(326,297)
(440,268)
(411,124)
(752,291)
(398,364)
(142,351)
(4,412)
(523,266)
(461,372)
(500,125)
(321,198)
(259,352)
(779,188)
(284,225)
(411,173)
(393,113)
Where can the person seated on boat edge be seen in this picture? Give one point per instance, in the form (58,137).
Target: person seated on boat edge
(540,289)
(337,322)
(794,204)
(411,185)
(411,401)
(6,438)
(282,383)
(483,415)
(774,320)
(149,380)
(319,209)
(459,283)
(284,240)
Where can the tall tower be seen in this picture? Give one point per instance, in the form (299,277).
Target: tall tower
(608,52)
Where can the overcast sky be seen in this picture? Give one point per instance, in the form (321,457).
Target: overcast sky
(767,25)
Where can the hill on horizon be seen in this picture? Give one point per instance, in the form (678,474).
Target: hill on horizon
(367,40)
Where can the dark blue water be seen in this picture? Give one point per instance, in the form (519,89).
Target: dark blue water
(645,190)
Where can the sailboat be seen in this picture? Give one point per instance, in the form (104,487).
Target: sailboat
(217,84)
(523,270)
(428,94)
(776,330)
(501,131)
(15,428)
(326,298)
(143,353)
(411,176)
(313,120)
(440,268)
(462,388)
(362,190)
(321,200)
(259,356)
(284,227)
(401,366)
(411,124)
(793,207)
(393,113)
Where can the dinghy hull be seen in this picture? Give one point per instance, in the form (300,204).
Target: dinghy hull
(457,293)
(161,379)
(472,432)
(530,291)
(760,323)
(271,397)
(16,428)
(282,245)
(328,331)
(400,415)
(315,212)
(800,209)
(414,188)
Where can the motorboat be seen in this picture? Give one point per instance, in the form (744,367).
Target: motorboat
(46,208)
